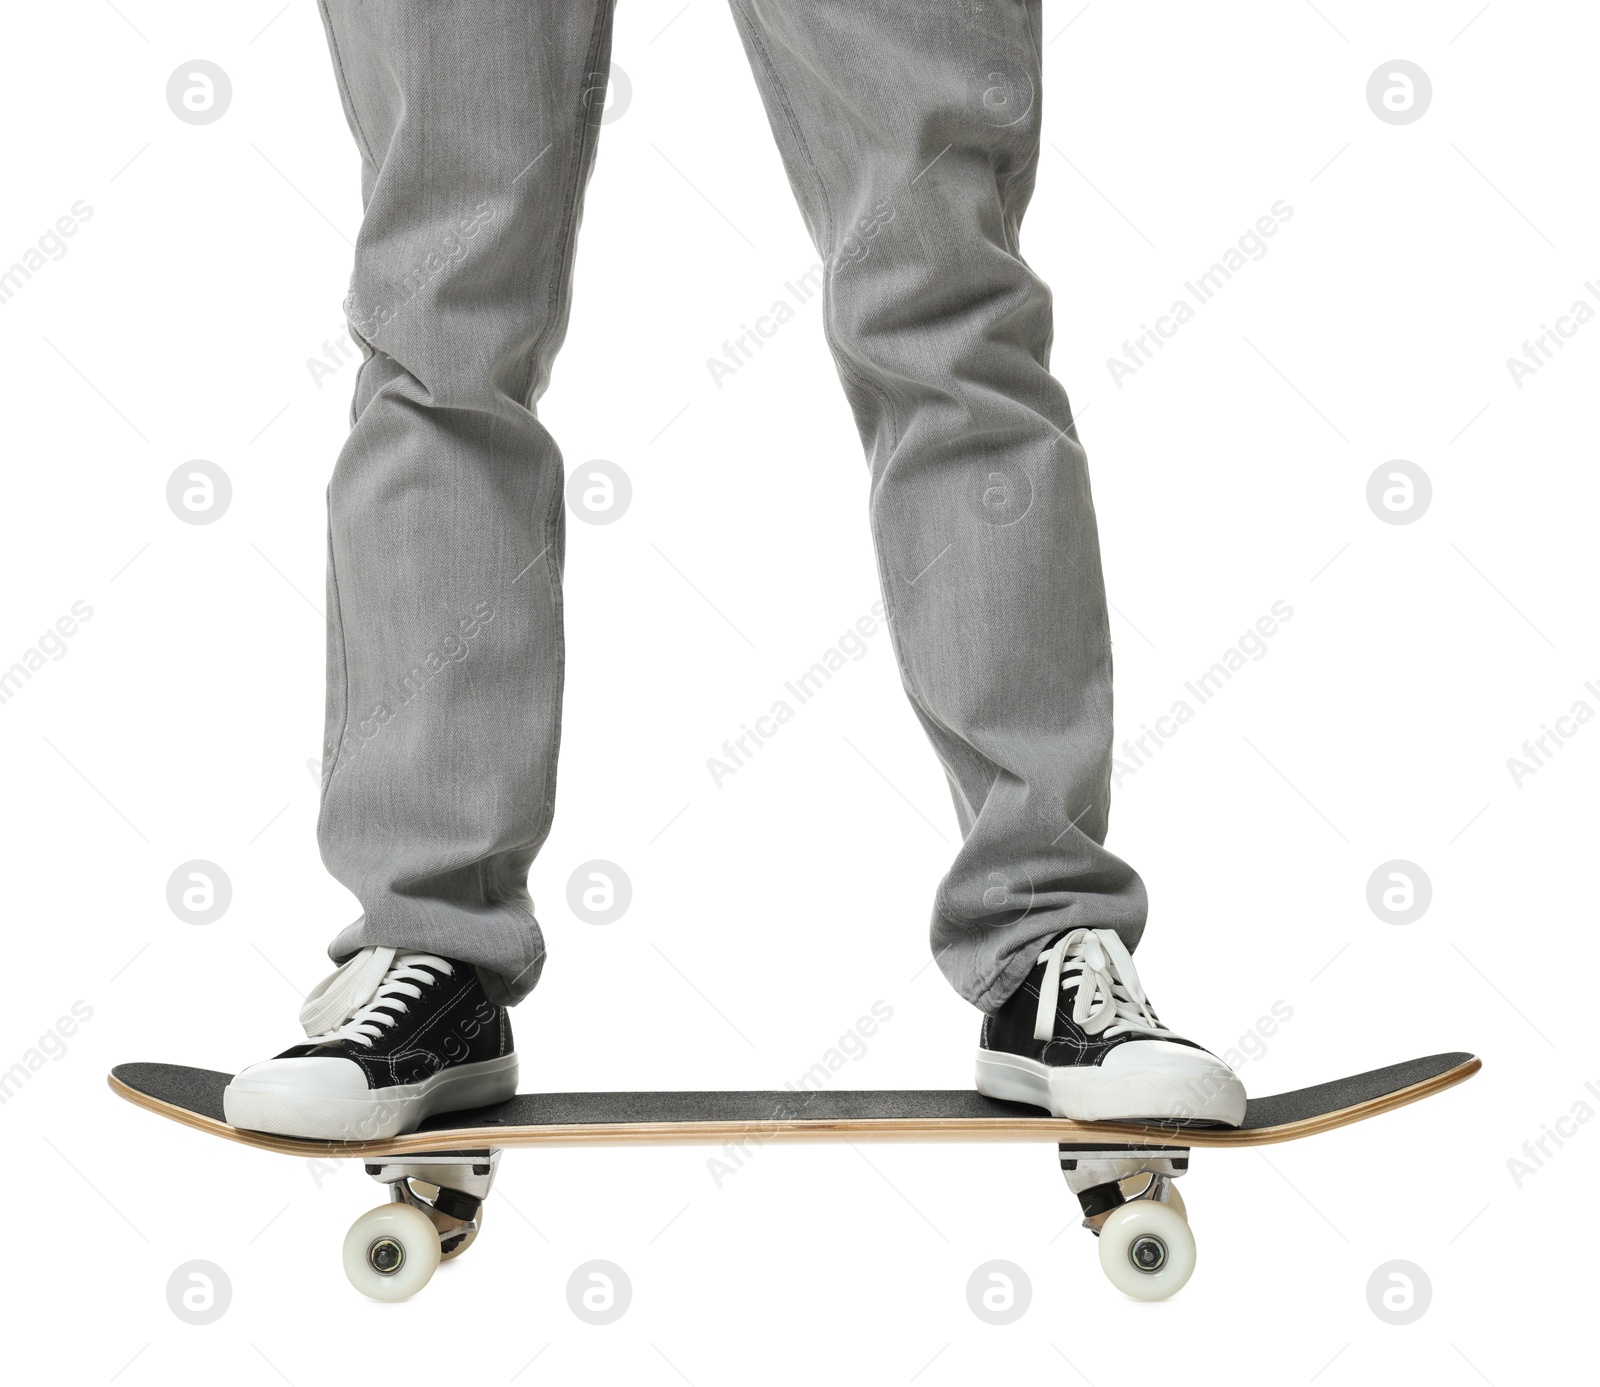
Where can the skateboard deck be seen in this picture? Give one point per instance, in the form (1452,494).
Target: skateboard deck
(194,1098)
(1122,1172)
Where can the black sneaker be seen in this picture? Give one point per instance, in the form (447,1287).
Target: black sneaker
(1080,1038)
(395,1037)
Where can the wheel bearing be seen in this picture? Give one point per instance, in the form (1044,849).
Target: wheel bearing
(386,1256)
(1147,1253)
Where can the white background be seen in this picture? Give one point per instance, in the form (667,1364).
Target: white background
(1229,473)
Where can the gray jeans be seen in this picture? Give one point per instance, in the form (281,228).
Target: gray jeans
(910,133)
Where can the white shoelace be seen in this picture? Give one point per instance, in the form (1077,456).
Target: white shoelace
(367,993)
(1110,1000)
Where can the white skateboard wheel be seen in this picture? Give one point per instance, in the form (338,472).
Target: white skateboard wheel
(1146,1250)
(391,1251)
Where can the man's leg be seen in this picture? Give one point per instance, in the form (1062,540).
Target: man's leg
(910,131)
(476,121)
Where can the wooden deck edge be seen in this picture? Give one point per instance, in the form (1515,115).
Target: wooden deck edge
(867,1129)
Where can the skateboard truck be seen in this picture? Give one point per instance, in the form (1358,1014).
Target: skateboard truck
(1131,1205)
(388,1248)
(1106,1177)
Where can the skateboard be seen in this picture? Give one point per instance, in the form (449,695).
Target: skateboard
(1122,1172)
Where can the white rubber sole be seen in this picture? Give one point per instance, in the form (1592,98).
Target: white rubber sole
(286,1104)
(1201,1089)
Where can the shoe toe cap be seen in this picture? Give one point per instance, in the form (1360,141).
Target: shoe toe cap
(1200,1087)
(323,1074)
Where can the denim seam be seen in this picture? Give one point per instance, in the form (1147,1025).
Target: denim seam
(344,87)
(845,369)
(337,616)
(828,228)
(342,81)
(559,287)
(560,290)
